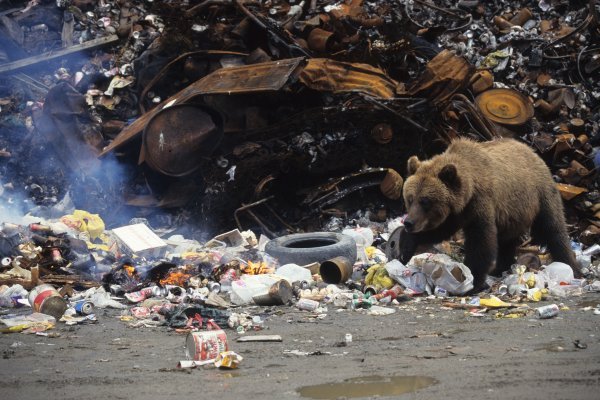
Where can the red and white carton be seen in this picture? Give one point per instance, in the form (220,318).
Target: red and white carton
(205,346)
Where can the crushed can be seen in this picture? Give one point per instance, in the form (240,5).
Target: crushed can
(45,299)
(307,304)
(548,311)
(361,302)
(205,346)
(84,307)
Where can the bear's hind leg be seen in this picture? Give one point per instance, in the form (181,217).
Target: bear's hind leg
(549,228)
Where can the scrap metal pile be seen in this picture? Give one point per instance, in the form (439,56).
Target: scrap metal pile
(275,98)
(272,117)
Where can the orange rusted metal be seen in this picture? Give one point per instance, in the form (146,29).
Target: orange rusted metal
(318,73)
(505,106)
(328,75)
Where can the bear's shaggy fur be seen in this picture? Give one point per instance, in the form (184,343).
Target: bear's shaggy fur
(496,192)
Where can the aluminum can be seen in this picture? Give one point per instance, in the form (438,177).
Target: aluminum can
(548,311)
(307,304)
(84,307)
(503,289)
(205,345)
(214,287)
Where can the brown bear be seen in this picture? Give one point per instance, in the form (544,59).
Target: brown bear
(495,192)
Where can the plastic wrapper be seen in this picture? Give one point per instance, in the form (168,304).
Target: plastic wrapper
(363,238)
(228,360)
(16,323)
(443,271)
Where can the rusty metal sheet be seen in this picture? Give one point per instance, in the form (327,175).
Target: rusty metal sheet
(269,76)
(329,75)
(446,74)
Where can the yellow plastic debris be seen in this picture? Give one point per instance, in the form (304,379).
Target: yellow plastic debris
(378,276)
(511,315)
(228,359)
(83,221)
(493,302)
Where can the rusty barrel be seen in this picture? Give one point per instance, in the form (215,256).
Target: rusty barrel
(45,299)
(177,137)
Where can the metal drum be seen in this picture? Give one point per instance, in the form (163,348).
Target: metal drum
(176,138)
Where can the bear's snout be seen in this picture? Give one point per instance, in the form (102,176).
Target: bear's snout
(409,226)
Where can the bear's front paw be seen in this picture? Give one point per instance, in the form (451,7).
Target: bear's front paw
(477,288)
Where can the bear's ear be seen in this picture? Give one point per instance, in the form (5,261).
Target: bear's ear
(412,165)
(449,176)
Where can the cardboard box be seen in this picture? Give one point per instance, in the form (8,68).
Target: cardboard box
(139,240)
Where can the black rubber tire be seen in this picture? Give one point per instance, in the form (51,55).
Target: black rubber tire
(307,248)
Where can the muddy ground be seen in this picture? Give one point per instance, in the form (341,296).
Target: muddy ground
(466,357)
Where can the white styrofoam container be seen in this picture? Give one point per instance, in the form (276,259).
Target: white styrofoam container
(139,240)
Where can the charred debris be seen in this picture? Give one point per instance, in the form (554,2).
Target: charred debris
(283,116)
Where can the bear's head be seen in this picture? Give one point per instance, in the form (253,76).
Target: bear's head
(433,191)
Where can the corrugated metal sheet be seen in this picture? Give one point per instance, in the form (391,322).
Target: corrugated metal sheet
(270,76)
(334,76)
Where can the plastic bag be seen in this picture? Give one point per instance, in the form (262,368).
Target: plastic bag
(411,278)
(558,272)
(10,295)
(378,276)
(443,271)
(83,221)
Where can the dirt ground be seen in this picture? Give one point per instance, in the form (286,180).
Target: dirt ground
(455,356)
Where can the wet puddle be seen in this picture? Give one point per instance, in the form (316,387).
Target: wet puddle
(556,346)
(592,303)
(366,386)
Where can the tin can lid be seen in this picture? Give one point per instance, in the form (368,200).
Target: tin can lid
(505,106)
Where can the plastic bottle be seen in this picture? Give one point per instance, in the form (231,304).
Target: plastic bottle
(363,238)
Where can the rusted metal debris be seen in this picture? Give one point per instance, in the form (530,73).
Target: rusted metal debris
(317,74)
(92,44)
(290,97)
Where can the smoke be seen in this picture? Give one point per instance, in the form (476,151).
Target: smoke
(12,205)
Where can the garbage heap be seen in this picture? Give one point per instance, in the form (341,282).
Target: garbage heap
(172,122)
(64,270)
